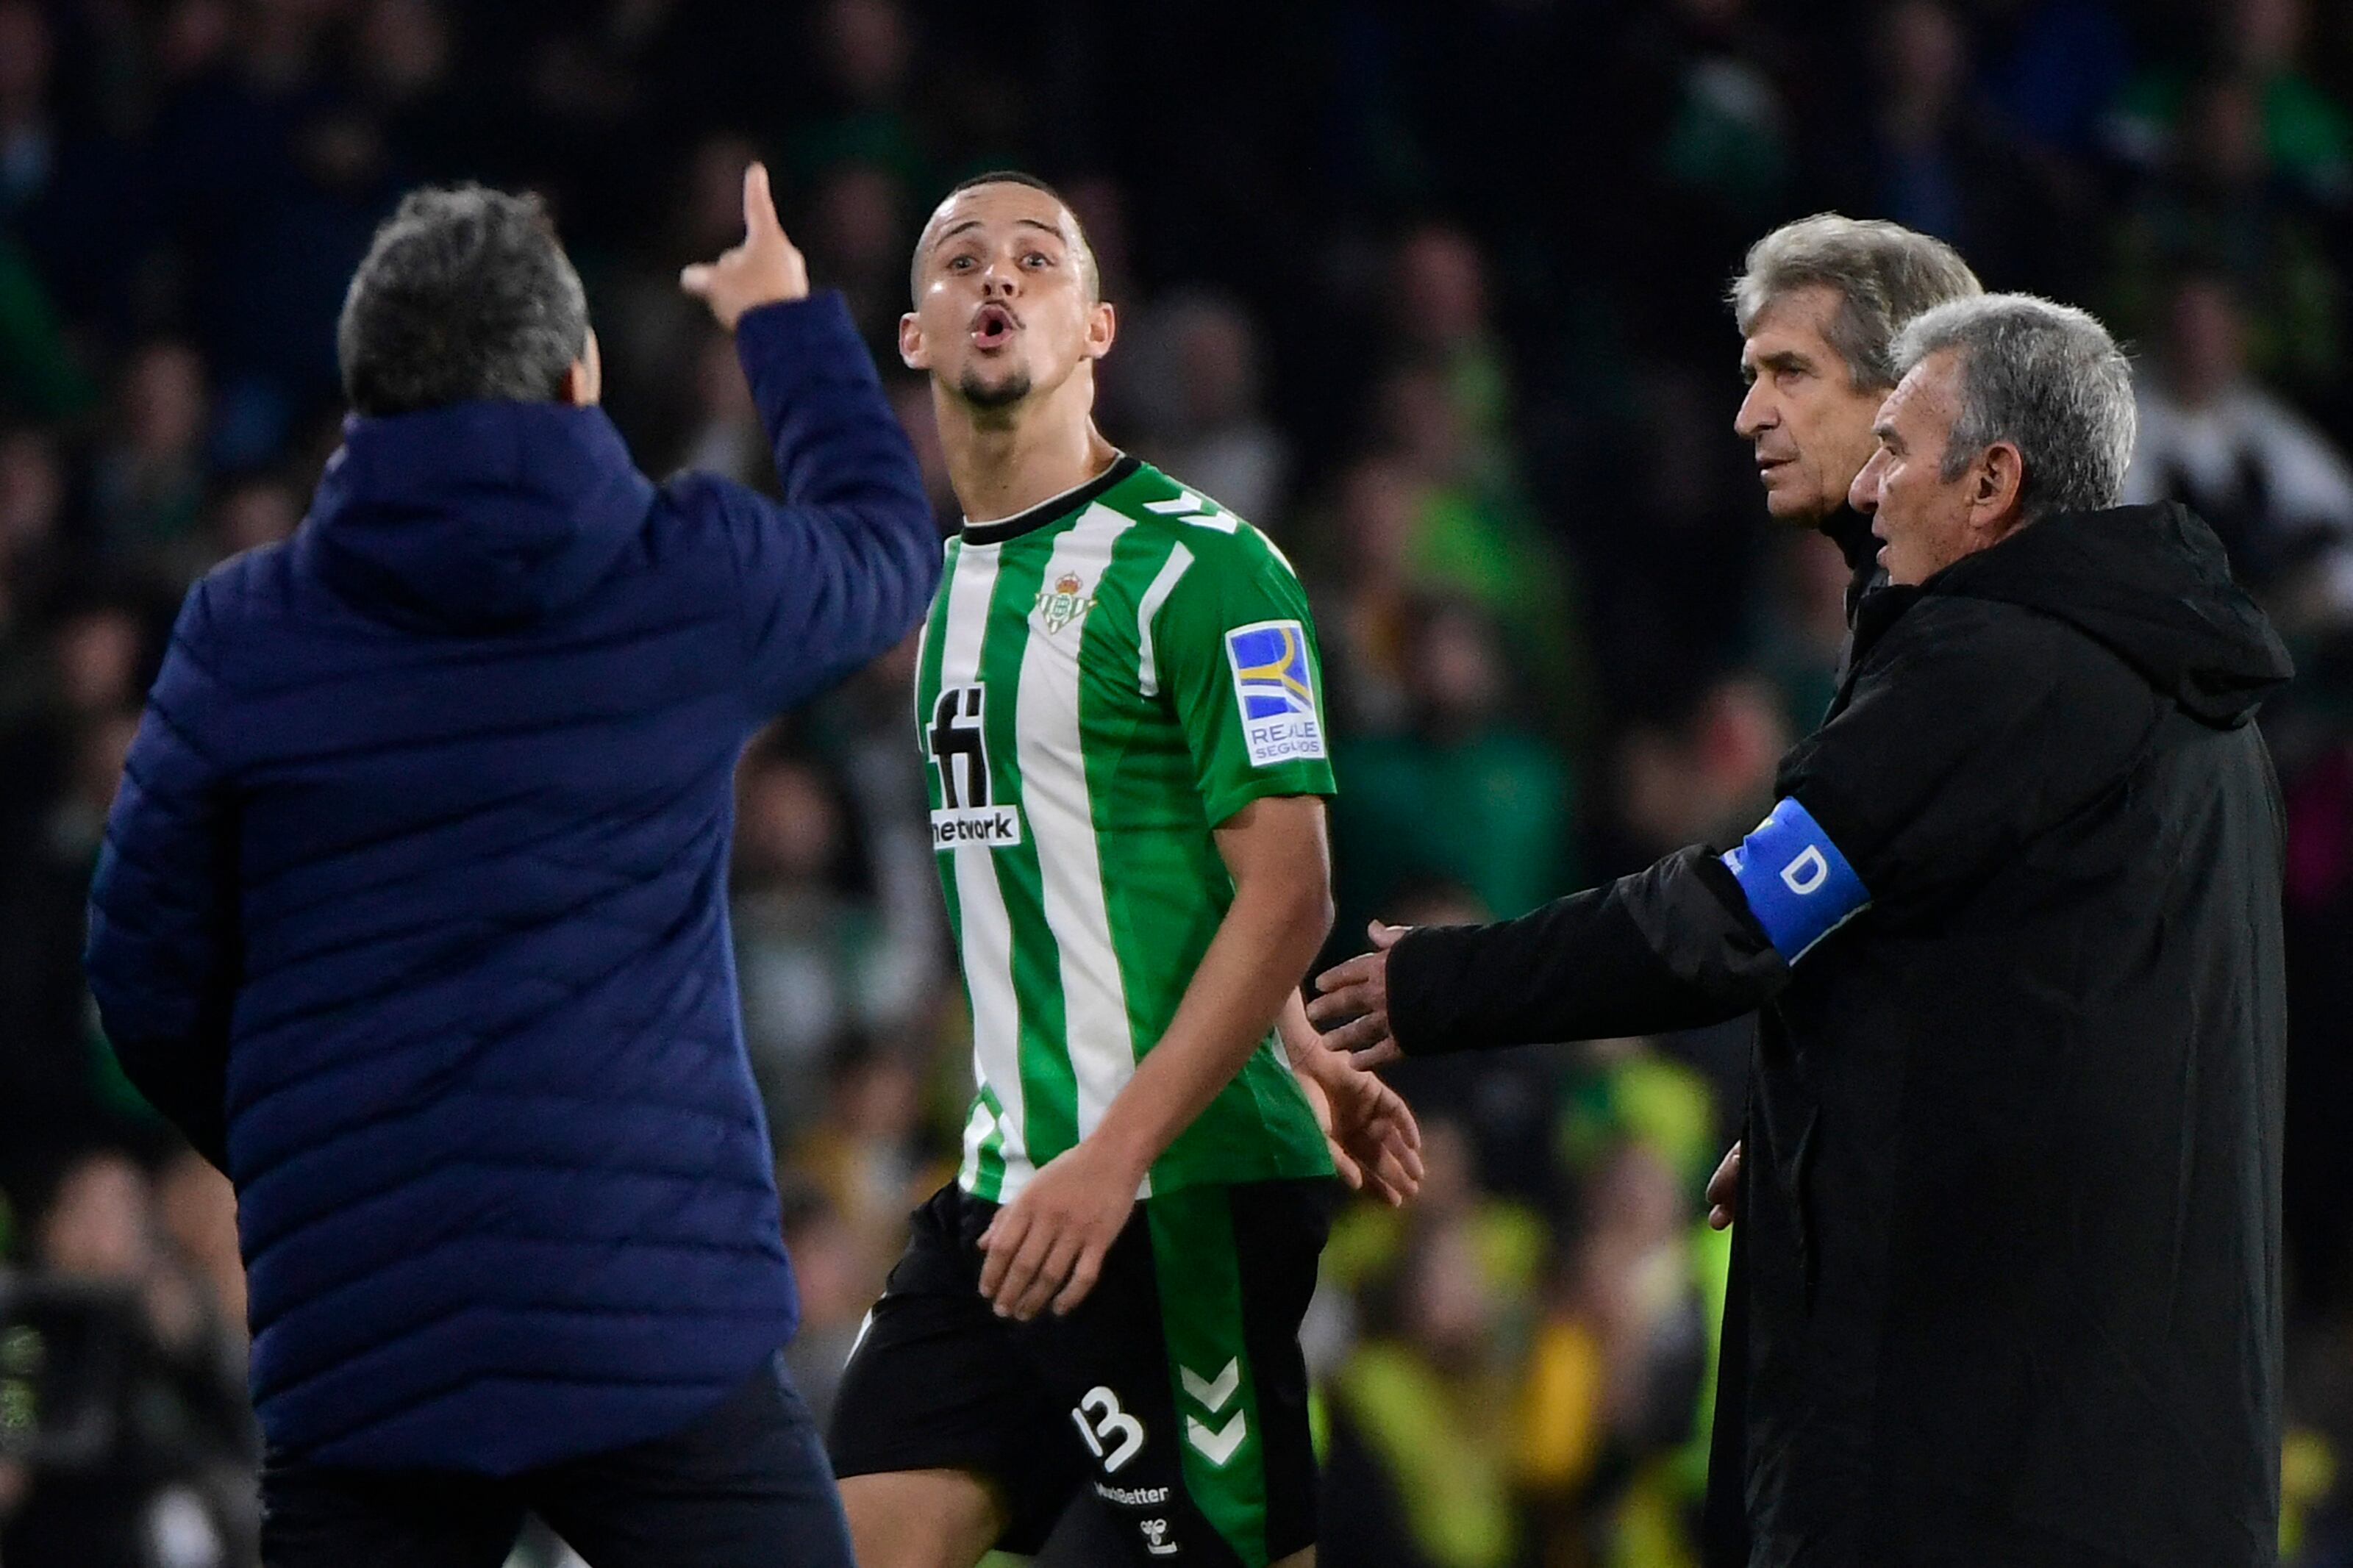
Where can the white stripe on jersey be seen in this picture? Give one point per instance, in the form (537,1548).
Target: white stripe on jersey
(988,927)
(1060,812)
(977,1129)
(1147,669)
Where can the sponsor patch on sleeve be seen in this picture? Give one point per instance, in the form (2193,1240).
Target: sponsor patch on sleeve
(1798,886)
(1279,723)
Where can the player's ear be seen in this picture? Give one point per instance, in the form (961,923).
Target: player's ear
(1103,325)
(911,342)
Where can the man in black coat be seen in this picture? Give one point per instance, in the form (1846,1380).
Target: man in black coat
(1819,303)
(2011,1191)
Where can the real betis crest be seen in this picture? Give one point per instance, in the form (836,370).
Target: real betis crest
(1063,603)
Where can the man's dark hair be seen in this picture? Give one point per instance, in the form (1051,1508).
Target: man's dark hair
(465,295)
(1091,275)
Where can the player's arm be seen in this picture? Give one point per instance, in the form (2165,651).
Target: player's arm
(839,572)
(162,956)
(1049,1244)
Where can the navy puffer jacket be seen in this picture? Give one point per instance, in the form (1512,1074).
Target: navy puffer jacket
(412,909)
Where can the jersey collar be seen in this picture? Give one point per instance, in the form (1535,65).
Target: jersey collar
(1051,508)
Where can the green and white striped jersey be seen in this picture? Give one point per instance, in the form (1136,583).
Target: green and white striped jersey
(1104,679)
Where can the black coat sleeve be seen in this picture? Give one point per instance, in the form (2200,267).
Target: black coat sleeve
(1970,728)
(1674,947)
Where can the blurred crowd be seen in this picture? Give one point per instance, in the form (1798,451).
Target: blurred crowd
(1434,294)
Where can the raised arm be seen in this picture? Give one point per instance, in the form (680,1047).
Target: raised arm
(842,569)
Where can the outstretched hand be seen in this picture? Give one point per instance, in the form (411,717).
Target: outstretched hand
(1354,1008)
(1375,1140)
(765,268)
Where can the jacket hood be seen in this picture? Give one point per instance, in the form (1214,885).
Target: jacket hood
(477,516)
(2152,584)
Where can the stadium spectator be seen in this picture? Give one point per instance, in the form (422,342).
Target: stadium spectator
(150,489)
(2277,493)
(1509,800)
(1195,394)
(2210,199)
(143,1447)
(32,508)
(805,928)
(255,511)
(1934,163)
(1422,1442)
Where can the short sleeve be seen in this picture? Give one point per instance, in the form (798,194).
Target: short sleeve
(1235,653)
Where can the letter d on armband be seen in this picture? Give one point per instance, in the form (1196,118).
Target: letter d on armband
(1806,873)
(1798,886)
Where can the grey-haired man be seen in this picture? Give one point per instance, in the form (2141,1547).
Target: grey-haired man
(1819,303)
(2012,1203)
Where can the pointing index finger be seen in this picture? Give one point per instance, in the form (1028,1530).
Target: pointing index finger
(759,204)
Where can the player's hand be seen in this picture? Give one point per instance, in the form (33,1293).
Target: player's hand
(1724,1190)
(766,267)
(1047,1247)
(1376,1141)
(1353,1009)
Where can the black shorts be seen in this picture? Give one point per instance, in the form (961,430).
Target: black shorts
(1175,1389)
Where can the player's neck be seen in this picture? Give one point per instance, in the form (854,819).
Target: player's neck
(1001,468)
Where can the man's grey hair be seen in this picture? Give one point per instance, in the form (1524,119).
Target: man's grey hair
(1883,274)
(2046,378)
(465,295)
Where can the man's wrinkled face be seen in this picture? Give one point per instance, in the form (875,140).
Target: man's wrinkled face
(1811,427)
(1004,296)
(1923,516)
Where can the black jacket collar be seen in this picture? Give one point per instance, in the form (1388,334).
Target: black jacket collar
(1850,531)
(2150,582)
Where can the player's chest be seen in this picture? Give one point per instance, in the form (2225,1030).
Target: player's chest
(1029,683)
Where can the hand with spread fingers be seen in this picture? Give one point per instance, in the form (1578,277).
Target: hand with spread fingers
(765,269)
(1353,1010)
(1375,1140)
(1047,1247)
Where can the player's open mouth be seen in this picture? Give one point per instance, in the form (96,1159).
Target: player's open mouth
(993,326)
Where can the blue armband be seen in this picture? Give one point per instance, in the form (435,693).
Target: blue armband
(1799,887)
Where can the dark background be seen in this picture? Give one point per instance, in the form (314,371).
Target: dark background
(1433,293)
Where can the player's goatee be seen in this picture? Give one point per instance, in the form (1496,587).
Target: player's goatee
(1001,394)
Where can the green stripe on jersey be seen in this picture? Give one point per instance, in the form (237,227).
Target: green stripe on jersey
(1084,712)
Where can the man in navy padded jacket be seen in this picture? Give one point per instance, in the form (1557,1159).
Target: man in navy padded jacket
(411,912)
